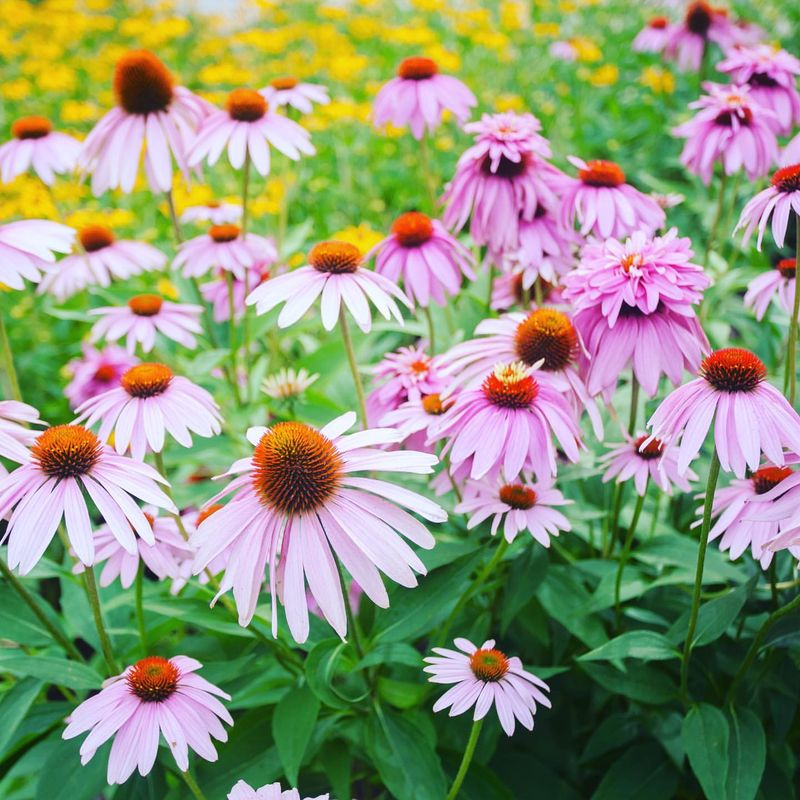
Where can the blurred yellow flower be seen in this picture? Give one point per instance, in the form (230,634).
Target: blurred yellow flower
(607,75)
(658,79)
(586,49)
(362,236)
(166,288)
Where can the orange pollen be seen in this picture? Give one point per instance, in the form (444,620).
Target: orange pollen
(145,305)
(66,451)
(787,179)
(652,450)
(510,386)
(224,233)
(546,334)
(518,496)
(287,82)
(150,518)
(733,370)
(768,478)
(699,16)
(153,679)
(296,470)
(105,373)
(659,23)
(787,267)
(147,380)
(433,405)
(206,512)
(488,665)
(213,204)
(602,173)
(632,261)
(95,237)
(31,128)
(417,68)
(335,257)
(420,367)
(246,105)
(142,84)
(412,229)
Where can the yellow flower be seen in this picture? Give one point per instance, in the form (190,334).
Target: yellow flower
(607,75)
(586,49)
(18,89)
(114,218)
(362,236)
(76,111)
(225,73)
(166,288)
(658,80)
(509,102)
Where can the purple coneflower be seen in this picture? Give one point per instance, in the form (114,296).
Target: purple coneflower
(226,247)
(653,37)
(290,91)
(35,145)
(776,202)
(214,212)
(774,284)
(28,248)
(96,371)
(645,462)
(217,293)
(272,791)
(16,437)
(701,25)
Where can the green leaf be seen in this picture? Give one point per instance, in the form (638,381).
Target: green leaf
(51,669)
(391,653)
(566,600)
(336,760)
(642,645)
(640,682)
(14,708)
(705,735)
(292,725)
(321,664)
(18,623)
(641,772)
(402,694)
(747,753)
(524,578)
(63,777)
(714,617)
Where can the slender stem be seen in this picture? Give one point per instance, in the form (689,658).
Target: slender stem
(97,612)
(790,378)
(139,589)
(466,759)
(489,290)
(538,294)
(352,622)
(246,317)
(711,485)
(351,359)
(431,331)
(634,405)
(656,512)
(189,780)
(245,189)
(428,176)
(712,234)
(625,554)
(173,216)
(234,365)
(773,582)
(8,361)
(616,507)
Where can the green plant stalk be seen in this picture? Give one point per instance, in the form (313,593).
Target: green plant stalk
(712,234)
(790,375)
(616,506)
(347,340)
(233,378)
(625,554)
(246,316)
(138,594)
(466,759)
(189,780)
(428,176)
(90,584)
(173,216)
(634,405)
(431,331)
(8,362)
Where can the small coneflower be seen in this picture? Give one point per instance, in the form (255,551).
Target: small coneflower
(701,25)
(28,248)
(414,418)
(272,791)
(653,37)
(214,211)
(775,284)
(776,202)
(288,383)
(288,90)
(645,462)
(96,371)
(217,293)
(16,435)
(35,145)
(224,247)
(149,402)
(154,695)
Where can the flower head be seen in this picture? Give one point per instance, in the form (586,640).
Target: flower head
(96,371)
(35,145)
(288,383)
(227,248)
(776,284)
(16,437)
(294,93)
(775,202)
(653,37)
(214,212)
(28,248)
(701,24)
(272,791)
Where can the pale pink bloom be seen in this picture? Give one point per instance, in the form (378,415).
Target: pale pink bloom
(16,437)
(151,696)
(191,519)
(701,25)
(603,204)
(419,95)
(430,262)
(653,37)
(776,284)
(506,426)
(224,247)
(645,462)
(272,791)
(298,508)
(777,201)
(152,116)
(520,505)
(781,504)
(35,145)
(563,51)
(791,153)
(771,74)
(217,295)
(150,402)
(66,461)
(415,417)
(486,677)
(289,91)
(96,371)
(334,272)
(247,127)
(101,258)
(752,416)
(142,317)
(668,200)
(508,290)
(28,248)
(215,212)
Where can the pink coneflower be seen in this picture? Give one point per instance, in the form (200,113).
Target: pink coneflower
(215,212)
(418,97)
(774,284)
(701,25)
(96,371)
(217,294)
(731,129)
(292,92)
(508,290)
(415,417)
(149,402)
(66,460)
(247,127)
(506,426)
(777,201)
(16,437)
(35,145)
(643,462)
(653,37)
(152,115)
(272,791)
(564,51)
(298,509)
(752,416)
(520,506)
(28,247)
(154,694)
(142,317)
(102,257)
(224,246)
(191,519)
(501,179)
(605,205)
(430,262)
(335,272)
(486,677)
(771,75)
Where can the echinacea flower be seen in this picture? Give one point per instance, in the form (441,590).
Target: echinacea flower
(290,91)
(430,262)
(776,202)
(214,211)
(28,248)
(224,247)
(16,437)
(486,677)
(153,116)
(419,95)
(298,509)
(217,293)
(149,402)
(645,462)
(96,371)
(701,25)
(287,383)
(415,417)
(604,204)
(520,505)
(65,461)
(335,272)
(752,416)
(272,791)
(777,284)
(247,128)
(142,317)
(506,426)
(35,145)
(653,37)
(102,257)
(153,695)
(731,129)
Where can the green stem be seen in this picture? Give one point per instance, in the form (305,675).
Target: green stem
(712,234)
(351,359)
(466,759)
(428,176)
(173,216)
(616,506)
(634,405)
(711,485)
(234,363)
(625,554)
(431,331)
(790,377)
(189,780)
(538,294)
(246,317)
(139,589)
(97,612)
(8,362)
(489,290)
